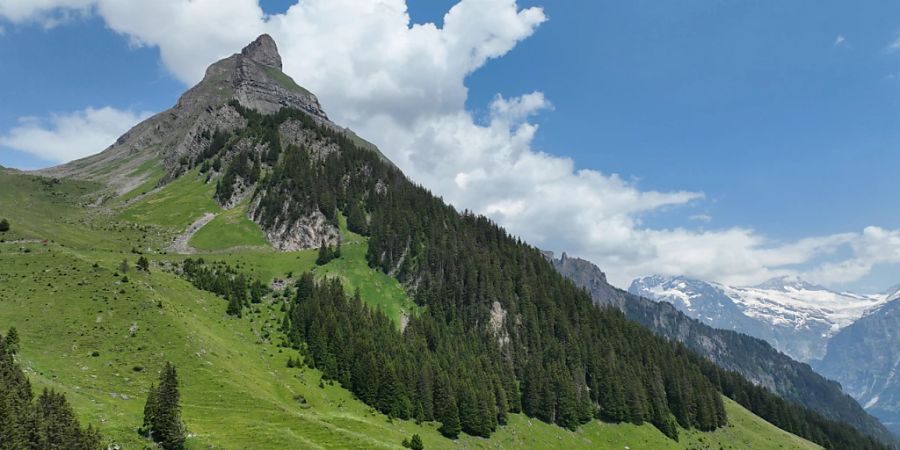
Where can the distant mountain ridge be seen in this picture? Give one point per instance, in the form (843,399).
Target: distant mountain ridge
(865,358)
(795,316)
(753,358)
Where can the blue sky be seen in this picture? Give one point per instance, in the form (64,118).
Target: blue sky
(784,115)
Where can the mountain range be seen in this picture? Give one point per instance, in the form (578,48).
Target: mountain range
(795,316)
(754,358)
(846,337)
(311,296)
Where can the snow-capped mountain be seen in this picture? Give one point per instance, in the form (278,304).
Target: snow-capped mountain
(796,317)
(865,358)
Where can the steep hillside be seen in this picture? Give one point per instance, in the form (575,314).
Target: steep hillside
(753,358)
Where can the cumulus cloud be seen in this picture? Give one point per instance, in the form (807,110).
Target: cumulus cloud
(64,137)
(872,247)
(402,85)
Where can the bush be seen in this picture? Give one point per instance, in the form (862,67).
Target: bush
(4,226)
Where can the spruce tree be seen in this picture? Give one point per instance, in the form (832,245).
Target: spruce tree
(356,220)
(162,412)
(143,264)
(234,306)
(445,410)
(324,254)
(146,429)
(416,443)
(11,342)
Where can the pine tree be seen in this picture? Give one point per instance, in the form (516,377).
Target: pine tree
(162,412)
(415,443)
(356,220)
(4,226)
(445,410)
(234,306)
(324,254)
(11,342)
(123,266)
(150,406)
(143,264)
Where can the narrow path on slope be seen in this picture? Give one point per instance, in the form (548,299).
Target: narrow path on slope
(180,244)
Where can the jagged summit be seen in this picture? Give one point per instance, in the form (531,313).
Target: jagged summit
(783,283)
(264,51)
(252,77)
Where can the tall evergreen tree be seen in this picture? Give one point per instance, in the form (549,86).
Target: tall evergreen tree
(11,341)
(146,429)
(162,412)
(324,254)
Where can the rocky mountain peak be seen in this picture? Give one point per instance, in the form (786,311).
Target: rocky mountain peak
(263,51)
(782,283)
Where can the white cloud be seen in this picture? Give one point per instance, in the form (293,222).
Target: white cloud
(840,41)
(48,13)
(893,46)
(64,137)
(402,85)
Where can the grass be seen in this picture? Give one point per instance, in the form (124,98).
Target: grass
(40,209)
(229,229)
(237,391)
(284,80)
(152,172)
(175,206)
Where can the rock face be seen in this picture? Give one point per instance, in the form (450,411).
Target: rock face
(253,77)
(263,51)
(865,359)
(753,358)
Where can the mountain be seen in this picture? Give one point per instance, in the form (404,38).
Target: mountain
(252,77)
(753,358)
(865,358)
(796,317)
(310,295)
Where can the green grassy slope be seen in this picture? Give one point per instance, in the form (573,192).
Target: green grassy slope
(177,205)
(237,391)
(229,229)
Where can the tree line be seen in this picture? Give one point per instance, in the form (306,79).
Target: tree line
(225,281)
